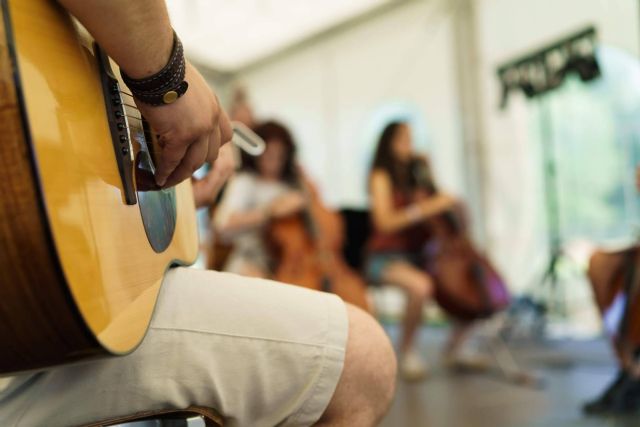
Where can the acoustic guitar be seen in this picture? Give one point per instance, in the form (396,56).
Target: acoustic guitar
(83,246)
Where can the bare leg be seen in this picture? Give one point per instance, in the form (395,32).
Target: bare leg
(456,339)
(367,384)
(418,287)
(453,356)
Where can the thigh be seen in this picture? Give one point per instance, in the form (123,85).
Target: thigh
(261,353)
(404,274)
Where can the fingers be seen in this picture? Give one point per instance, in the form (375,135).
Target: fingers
(194,158)
(222,134)
(170,158)
(225,163)
(178,162)
(214,145)
(226,131)
(186,145)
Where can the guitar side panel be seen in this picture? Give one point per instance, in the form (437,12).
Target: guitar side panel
(39,323)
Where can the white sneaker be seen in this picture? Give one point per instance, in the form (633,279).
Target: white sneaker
(413,367)
(467,362)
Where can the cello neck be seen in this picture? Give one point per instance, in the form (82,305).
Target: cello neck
(421,174)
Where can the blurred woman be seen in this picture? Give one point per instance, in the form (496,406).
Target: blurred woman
(400,208)
(263,190)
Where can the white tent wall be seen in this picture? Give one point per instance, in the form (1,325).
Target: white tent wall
(331,91)
(513,183)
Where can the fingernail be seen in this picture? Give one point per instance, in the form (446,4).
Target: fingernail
(161,182)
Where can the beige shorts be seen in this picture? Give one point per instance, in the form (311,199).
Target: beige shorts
(260,353)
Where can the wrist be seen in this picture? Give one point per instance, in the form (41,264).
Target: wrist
(165,86)
(155,59)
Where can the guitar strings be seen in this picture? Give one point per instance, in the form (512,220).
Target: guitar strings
(139,124)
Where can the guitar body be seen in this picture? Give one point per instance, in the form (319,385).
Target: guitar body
(81,269)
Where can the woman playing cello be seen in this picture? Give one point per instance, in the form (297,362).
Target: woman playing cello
(401,208)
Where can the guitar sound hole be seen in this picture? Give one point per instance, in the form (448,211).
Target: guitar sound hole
(157,207)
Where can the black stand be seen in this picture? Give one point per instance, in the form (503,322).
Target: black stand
(553,297)
(536,75)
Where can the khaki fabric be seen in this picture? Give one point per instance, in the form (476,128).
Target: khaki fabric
(260,353)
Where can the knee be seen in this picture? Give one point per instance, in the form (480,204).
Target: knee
(367,384)
(371,361)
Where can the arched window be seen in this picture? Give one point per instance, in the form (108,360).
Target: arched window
(595,128)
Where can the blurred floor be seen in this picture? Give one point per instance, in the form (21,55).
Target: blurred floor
(573,371)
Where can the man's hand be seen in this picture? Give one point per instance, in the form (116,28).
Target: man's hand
(190,131)
(206,190)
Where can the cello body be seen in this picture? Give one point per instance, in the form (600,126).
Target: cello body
(306,249)
(468,287)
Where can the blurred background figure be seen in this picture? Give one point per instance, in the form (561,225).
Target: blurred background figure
(399,212)
(278,226)
(419,244)
(264,189)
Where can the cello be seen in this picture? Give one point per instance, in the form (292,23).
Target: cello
(306,249)
(467,286)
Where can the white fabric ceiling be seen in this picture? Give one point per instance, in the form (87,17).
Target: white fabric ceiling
(229,34)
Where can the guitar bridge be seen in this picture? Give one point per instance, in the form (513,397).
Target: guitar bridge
(118,125)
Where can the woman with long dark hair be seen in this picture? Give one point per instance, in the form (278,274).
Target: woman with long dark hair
(264,189)
(403,198)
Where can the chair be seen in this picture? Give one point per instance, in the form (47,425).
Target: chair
(194,416)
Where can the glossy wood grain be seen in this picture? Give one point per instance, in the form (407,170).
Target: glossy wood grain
(111,271)
(39,324)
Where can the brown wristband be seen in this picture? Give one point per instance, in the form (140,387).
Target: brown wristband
(165,86)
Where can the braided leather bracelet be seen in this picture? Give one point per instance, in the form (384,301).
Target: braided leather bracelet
(165,86)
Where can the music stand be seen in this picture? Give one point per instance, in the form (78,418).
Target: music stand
(536,75)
